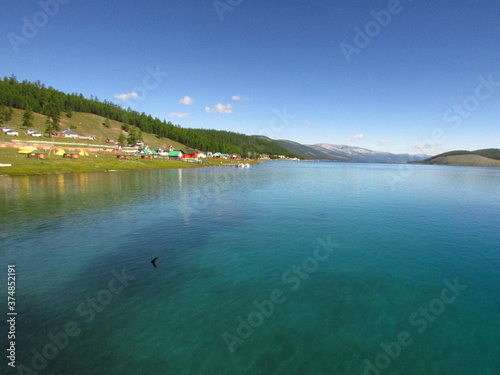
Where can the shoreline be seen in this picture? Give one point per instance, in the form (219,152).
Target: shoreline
(115,170)
(21,165)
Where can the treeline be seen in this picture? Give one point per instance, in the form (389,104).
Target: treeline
(51,103)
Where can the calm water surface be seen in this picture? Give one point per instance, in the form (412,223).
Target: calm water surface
(282,268)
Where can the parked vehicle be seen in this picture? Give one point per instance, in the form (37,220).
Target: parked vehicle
(6,129)
(12,132)
(36,134)
(31,131)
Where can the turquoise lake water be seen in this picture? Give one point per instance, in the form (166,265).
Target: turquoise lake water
(282,268)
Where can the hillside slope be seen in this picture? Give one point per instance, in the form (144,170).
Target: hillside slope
(468,160)
(487,158)
(53,104)
(85,123)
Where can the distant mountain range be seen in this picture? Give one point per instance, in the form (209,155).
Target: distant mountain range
(326,151)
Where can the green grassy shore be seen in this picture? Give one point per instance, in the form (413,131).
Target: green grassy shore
(97,161)
(21,165)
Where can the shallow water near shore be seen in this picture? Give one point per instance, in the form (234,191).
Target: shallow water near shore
(281,268)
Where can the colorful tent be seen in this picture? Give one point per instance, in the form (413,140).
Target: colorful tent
(60,152)
(83,153)
(26,150)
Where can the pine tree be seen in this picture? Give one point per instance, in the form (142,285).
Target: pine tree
(56,117)
(28,118)
(7,114)
(48,126)
(134,135)
(52,123)
(121,139)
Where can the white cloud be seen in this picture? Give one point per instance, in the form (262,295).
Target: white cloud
(239,97)
(126,96)
(356,137)
(307,122)
(186,101)
(220,108)
(176,114)
(387,142)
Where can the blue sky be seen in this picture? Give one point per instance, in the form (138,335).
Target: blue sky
(398,76)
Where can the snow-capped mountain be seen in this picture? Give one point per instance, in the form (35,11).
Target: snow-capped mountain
(326,151)
(365,155)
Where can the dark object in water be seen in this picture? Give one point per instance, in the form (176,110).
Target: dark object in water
(153,262)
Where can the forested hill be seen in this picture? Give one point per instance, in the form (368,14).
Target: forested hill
(485,157)
(490,153)
(52,103)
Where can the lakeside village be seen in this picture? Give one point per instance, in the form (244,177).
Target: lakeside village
(42,149)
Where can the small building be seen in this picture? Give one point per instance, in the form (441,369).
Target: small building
(37,154)
(175,155)
(160,151)
(146,156)
(68,133)
(123,155)
(190,154)
(71,155)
